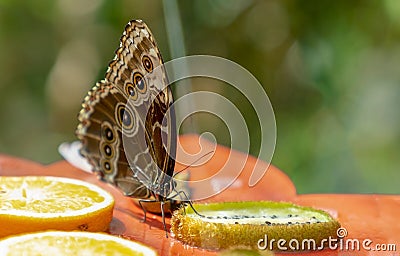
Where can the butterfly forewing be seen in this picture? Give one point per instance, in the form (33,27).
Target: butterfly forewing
(126,125)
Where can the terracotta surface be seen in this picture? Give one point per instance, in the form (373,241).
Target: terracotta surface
(364,216)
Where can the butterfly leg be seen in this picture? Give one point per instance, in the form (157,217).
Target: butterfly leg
(141,201)
(163,218)
(143,209)
(185,196)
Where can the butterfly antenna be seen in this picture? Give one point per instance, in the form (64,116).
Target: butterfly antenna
(194,162)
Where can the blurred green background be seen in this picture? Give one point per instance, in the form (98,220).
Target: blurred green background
(330,68)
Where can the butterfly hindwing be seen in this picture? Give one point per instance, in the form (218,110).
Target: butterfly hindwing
(101,138)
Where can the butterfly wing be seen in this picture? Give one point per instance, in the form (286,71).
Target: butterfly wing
(101,139)
(127,131)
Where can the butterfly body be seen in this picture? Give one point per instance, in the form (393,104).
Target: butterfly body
(127,125)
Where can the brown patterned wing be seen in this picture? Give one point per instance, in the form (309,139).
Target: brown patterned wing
(135,105)
(137,70)
(101,138)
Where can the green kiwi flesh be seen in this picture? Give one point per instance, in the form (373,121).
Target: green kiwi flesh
(244,224)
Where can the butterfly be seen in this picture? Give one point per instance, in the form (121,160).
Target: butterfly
(127,122)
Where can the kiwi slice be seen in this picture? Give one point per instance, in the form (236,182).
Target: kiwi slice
(244,252)
(260,225)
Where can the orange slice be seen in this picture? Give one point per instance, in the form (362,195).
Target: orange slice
(34,203)
(71,243)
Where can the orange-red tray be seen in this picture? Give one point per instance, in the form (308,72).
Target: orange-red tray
(373,217)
